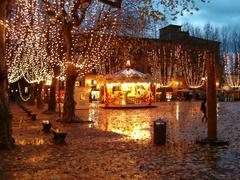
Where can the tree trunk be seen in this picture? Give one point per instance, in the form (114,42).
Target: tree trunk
(39,95)
(69,103)
(163,94)
(32,91)
(71,75)
(194,94)
(52,98)
(6,140)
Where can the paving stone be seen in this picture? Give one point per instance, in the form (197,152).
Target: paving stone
(118,145)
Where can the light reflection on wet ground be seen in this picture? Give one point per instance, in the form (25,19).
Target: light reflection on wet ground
(182,118)
(36,142)
(99,153)
(184,127)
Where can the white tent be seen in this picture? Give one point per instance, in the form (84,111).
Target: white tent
(129,75)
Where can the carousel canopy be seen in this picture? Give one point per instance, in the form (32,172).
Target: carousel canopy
(128,75)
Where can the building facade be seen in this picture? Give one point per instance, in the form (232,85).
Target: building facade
(172,45)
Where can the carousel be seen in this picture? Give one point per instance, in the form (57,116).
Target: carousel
(127,88)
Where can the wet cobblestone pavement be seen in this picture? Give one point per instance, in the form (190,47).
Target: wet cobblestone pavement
(118,145)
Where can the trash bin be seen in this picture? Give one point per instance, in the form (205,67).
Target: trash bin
(159,132)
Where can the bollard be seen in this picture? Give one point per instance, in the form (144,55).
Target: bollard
(46,126)
(58,135)
(29,113)
(34,117)
(159,132)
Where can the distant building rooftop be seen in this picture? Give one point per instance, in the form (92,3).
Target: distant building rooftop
(172,27)
(174,33)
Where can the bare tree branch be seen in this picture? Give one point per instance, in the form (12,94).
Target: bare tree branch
(76,19)
(115,4)
(49,9)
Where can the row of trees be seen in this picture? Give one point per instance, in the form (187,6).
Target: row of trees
(66,18)
(229,36)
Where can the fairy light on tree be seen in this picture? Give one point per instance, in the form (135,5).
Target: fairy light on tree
(71,15)
(175,8)
(100,46)
(21,94)
(55,48)
(16,35)
(26,50)
(107,43)
(232,69)
(164,61)
(66,13)
(193,64)
(56,66)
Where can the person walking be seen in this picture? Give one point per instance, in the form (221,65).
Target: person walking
(204,110)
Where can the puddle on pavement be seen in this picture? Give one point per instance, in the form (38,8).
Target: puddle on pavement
(183,119)
(35,142)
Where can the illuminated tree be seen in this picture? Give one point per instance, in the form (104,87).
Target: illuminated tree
(139,19)
(6,140)
(26,48)
(132,49)
(97,50)
(70,15)
(26,52)
(164,65)
(193,64)
(54,49)
(232,69)
(164,61)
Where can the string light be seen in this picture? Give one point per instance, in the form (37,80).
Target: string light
(193,67)
(21,96)
(26,52)
(232,69)
(32,53)
(163,64)
(99,48)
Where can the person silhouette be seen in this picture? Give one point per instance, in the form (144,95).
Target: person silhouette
(204,110)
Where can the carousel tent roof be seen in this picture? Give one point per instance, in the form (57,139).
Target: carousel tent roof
(128,75)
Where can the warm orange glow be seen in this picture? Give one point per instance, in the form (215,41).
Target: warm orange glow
(133,129)
(128,93)
(36,142)
(128,63)
(48,82)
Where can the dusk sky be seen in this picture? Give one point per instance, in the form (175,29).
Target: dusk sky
(217,12)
